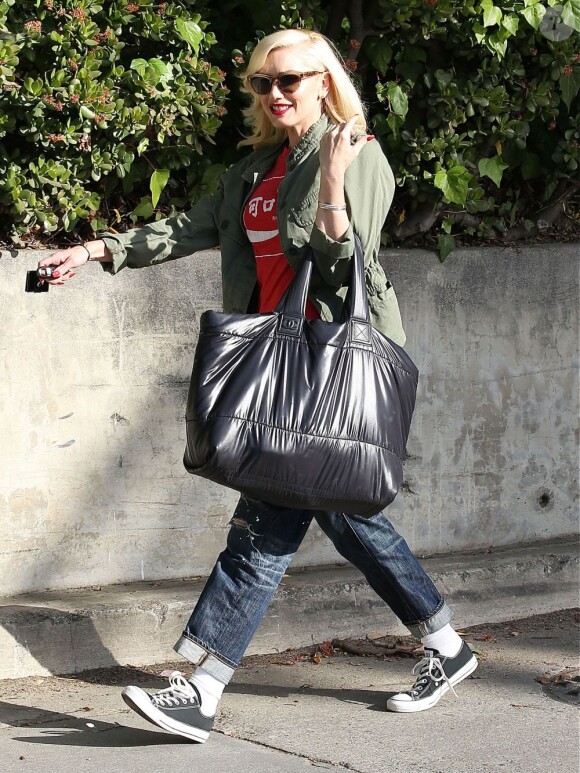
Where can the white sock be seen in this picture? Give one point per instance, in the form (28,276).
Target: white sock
(445,640)
(210,689)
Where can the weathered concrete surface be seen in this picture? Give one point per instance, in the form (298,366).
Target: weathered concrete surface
(72,631)
(94,380)
(330,716)
(106,739)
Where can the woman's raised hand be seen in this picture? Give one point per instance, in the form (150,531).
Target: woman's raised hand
(337,151)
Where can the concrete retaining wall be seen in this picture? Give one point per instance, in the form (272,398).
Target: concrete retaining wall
(94,380)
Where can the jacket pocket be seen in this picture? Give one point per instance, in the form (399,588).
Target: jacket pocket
(376,281)
(304,214)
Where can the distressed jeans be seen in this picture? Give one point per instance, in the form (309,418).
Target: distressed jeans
(262,541)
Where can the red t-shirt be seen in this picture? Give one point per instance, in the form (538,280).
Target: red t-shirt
(260,220)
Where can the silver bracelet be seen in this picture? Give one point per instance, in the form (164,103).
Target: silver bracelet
(333,207)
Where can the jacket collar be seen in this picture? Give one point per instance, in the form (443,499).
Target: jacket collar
(310,141)
(263,158)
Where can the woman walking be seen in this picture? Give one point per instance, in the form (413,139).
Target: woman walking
(315,177)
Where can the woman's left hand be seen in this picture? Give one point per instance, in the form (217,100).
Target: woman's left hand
(337,151)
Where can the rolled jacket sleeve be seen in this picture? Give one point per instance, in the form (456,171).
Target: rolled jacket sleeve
(322,243)
(174,237)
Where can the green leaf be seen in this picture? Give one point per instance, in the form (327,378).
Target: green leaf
(445,245)
(479,31)
(398,100)
(491,13)
(144,209)
(410,71)
(34,86)
(443,77)
(152,71)
(454,183)
(140,65)
(86,112)
(212,175)
(571,14)
(414,54)
(157,183)
(569,85)
(496,44)
(163,71)
(534,14)
(394,122)
(379,53)
(492,168)
(190,32)
(510,23)
(380,125)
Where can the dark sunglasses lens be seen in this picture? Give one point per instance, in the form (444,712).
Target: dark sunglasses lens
(289,82)
(261,84)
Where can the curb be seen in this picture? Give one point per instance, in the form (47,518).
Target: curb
(73,631)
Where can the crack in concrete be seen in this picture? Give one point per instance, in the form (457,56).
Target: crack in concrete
(313,760)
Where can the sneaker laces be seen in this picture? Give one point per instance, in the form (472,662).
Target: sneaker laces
(429,667)
(179,691)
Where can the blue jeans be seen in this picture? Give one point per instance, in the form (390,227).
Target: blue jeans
(261,543)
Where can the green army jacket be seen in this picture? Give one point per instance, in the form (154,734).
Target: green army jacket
(216,220)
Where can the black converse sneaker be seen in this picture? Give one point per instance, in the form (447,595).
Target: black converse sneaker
(436,675)
(177,708)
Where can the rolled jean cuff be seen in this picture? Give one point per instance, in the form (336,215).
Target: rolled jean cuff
(200,656)
(432,624)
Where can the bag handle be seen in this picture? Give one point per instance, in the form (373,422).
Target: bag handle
(356,306)
(356,303)
(293,302)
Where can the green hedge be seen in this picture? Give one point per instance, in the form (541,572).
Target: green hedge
(109,111)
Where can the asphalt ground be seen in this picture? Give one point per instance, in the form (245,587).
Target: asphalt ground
(321,707)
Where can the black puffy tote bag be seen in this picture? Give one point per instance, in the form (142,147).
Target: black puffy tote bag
(301,413)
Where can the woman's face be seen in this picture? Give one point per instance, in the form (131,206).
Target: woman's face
(295,112)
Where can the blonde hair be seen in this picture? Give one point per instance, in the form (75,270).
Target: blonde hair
(316,53)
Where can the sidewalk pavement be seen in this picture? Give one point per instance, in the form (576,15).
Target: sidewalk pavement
(296,712)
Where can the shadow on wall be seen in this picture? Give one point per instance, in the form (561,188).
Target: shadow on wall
(58,640)
(97,493)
